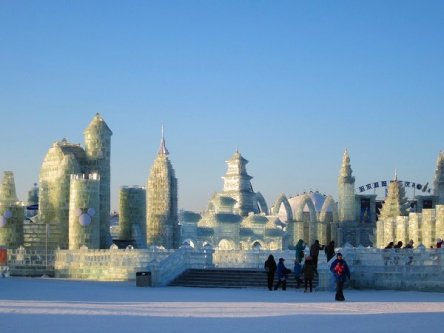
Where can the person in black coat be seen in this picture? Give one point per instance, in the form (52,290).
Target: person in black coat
(314,252)
(309,271)
(270,269)
(330,250)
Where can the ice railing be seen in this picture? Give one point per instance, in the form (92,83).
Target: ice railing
(420,256)
(30,258)
(163,271)
(253,259)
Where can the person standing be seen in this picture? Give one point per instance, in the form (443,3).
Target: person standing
(439,243)
(398,245)
(409,245)
(341,272)
(297,269)
(389,246)
(309,270)
(330,250)
(282,272)
(300,247)
(270,269)
(314,252)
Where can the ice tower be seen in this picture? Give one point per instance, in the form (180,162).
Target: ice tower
(162,214)
(12,213)
(395,203)
(346,189)
(438,183)
(84,203)
(132,215)
(356,213)
(98,153)
(237,185)
(62,160)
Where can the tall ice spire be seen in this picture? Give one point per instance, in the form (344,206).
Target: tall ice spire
(346,189)
(161,197)
(163,149)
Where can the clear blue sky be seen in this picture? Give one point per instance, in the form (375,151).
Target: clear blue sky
(291,83)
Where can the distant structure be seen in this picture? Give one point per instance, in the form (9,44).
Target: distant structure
(12,213)
(162,221)
(396,221)
(63,160)
(236,218)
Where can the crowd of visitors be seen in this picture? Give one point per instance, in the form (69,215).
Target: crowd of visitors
(305,268)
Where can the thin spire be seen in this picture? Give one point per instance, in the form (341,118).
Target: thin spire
(163,150)
(396,176)
(346,171)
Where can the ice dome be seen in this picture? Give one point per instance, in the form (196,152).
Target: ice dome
(316,198)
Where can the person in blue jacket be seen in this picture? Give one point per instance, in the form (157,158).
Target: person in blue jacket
(341,272)
(282,272)
(297,269)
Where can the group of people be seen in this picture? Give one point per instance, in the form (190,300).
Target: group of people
(399,245)
(315,248)
(308,270)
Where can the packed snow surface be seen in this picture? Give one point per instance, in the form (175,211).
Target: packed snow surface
(44,305)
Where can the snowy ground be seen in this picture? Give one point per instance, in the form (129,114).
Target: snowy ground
(55,305)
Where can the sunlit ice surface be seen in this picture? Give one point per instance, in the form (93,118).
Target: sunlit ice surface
(58,305)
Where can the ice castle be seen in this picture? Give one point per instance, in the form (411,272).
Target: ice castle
(68,231)
(74,204)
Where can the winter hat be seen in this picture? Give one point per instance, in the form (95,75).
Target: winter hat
(339,254)
(281,259)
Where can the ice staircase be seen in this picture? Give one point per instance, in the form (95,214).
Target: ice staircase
(229,278)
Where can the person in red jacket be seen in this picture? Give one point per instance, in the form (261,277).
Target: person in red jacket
(341,272)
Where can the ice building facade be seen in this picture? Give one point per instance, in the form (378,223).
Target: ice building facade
(236,218)
(162,222)
(397,221)
(62,160)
